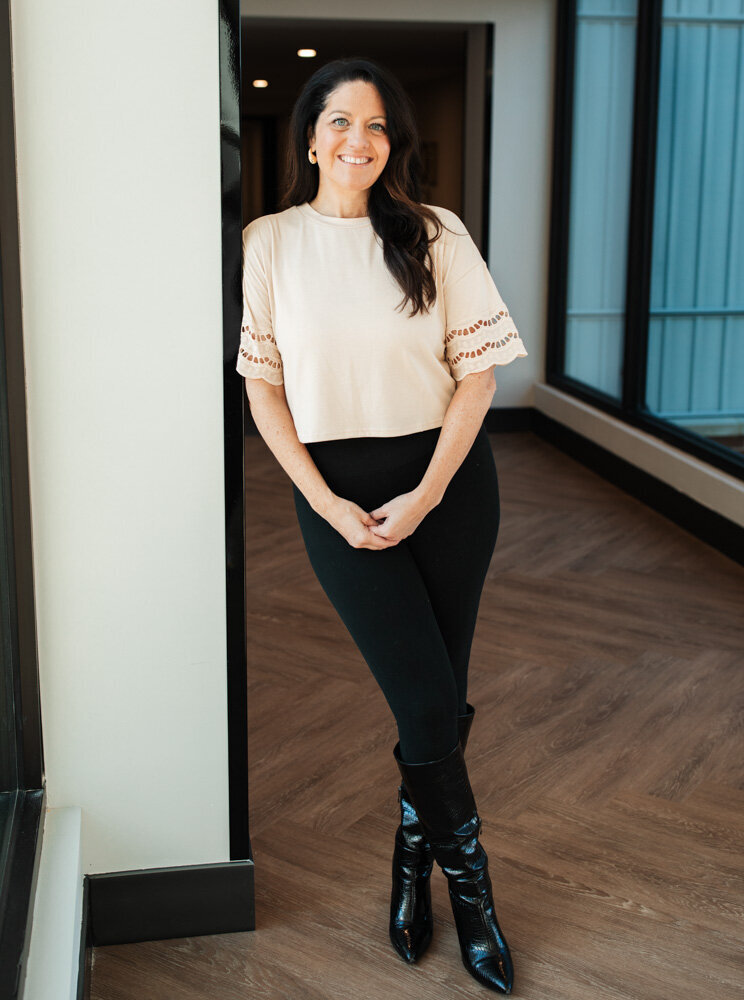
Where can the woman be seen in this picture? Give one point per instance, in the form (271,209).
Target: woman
(376,414)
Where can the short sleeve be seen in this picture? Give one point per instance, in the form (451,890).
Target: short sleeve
(258,354)
(480,331)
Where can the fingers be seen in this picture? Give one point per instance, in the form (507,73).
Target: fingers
(380,541)
(377,541)
(370,521)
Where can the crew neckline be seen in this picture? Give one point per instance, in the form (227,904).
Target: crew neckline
(333,220)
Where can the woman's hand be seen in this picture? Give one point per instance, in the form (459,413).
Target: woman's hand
(401,516)
(355,525)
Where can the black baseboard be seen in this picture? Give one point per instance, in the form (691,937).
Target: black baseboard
(152,904)
(700,521)
(509,418)
(155,903)
(85,953)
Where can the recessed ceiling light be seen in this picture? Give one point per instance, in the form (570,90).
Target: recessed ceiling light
(306,53)
(260,83)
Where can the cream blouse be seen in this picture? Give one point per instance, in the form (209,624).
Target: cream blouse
(321,315)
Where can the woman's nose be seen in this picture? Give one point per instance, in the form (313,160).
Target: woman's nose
(359,138)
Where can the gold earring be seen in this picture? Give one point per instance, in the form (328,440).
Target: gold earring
(310,156)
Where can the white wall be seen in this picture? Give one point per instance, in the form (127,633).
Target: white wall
(521,143)
(117,127)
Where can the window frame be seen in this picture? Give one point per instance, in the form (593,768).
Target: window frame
(631,407)
(22,758)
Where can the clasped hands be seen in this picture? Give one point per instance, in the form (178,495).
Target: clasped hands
(384,526)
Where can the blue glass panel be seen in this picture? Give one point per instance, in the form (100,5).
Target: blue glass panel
(696,332)
(600,192)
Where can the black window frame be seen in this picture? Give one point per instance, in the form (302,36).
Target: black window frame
(22,757)
(631,408)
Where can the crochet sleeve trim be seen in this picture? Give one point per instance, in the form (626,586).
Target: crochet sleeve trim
(476,345)
(258,356)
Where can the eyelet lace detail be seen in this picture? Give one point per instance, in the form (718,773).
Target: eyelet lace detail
(260,350)
(475,345)
(502,314)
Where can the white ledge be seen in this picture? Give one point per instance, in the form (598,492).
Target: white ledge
(705,483)
(52,965)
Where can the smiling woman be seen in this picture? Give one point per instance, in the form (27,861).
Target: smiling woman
(376,413)
(349,143)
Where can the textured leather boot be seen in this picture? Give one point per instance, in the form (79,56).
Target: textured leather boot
(441,793)
(411,922)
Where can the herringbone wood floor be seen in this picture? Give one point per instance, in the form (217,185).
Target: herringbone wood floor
(605,755)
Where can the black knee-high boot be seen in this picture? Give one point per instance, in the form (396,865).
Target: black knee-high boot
(441,793)
(411,922)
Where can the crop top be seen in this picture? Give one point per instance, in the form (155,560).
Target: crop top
(320,316)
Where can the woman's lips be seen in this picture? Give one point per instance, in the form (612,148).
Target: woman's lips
(349,164)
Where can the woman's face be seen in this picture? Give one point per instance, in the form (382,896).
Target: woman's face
(352,124)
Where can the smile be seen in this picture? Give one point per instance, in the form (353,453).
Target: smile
(356,160)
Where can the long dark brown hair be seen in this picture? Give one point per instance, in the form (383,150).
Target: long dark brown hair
(394,202)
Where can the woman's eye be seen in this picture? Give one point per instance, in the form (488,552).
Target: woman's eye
(378,124)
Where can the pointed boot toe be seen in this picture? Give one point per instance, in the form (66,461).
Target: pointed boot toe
(495,972)
(411,941)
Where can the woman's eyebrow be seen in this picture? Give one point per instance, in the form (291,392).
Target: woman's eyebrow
(338,111)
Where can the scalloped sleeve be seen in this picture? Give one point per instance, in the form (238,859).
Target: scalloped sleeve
(258,354)
(480,331)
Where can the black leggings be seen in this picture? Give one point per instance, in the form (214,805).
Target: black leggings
(411,608)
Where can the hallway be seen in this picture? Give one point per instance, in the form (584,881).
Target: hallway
(605,756)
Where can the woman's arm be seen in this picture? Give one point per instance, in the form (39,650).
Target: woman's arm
(273,418)
(462,421)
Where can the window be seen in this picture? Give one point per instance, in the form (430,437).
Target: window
(600,182)
(695,367)
(647,241)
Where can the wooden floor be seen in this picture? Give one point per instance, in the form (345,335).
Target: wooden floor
(605,756)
